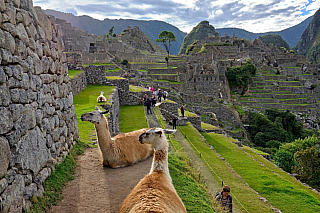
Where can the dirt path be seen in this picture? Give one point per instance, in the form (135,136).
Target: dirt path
(97,188)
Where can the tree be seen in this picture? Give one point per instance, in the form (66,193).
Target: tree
(166,37)
(285,160)
(308,166)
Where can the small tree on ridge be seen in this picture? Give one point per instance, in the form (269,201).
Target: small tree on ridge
(166,37)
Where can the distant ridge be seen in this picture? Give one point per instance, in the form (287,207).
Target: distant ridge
(291,35)
(151,28)
(309,44)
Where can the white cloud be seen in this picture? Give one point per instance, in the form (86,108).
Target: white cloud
(251,15)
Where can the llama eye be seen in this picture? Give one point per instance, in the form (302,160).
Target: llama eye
(147,134)
(91,114)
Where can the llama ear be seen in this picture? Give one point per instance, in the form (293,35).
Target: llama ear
(169,131)
(159,132)
(97,108)
(105,112)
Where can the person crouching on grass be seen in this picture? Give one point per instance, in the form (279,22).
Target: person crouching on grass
(225,199)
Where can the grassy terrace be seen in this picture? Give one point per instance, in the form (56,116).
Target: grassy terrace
(165,74)
(74,73)
(208,126)
(86,102)
(162,68)
(114,77)
(117,69)
(239,189)
(99,64)
(281,190)
(147,63)
(142,70)
(137,89)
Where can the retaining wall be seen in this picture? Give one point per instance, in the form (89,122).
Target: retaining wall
(38,124)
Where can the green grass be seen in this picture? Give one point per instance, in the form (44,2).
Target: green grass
(117,69)
(56,182)
(208,126)
(86,102)
(161,80)
(114,77)
(187,113)
(239,189)
(279,188)
(99,64)
(74,73)
(142,70)
(147,63)
(132,118)
(137,89)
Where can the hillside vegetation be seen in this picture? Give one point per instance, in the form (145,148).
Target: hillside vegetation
(275,40)
(198,33)
(151,28)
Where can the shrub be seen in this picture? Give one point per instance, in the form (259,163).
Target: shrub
(285,160)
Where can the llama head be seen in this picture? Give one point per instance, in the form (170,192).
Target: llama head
(153,135)
(101,93)
(94,116)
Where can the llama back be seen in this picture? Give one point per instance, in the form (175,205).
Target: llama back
(164,197)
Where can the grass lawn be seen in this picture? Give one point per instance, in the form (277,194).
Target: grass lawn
(117,69)
(278,187)
(220,169)
(99,64)
(132,118)
(208,126)
(137,89)
(86,102)
(114,77)
(74,73)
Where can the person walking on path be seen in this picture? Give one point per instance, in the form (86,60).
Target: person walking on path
(182,110)
(164,94)
(153,100)
(148,104)
(174,122)
(159,95)
(225,199)
(145,97)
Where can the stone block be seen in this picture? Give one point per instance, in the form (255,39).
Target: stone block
(6,57)
(3,184)
(6,122)
(5,97)
(11,13)
(10,43)
(12,197)
(32,153)
(3,6)
(4,156)
(30,190)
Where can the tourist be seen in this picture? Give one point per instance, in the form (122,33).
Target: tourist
(182,110)
(154,100)
(164,95)
(159,95)
(148,104)
(145,99)
(225,199)
(174,122)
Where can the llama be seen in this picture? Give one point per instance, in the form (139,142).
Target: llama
(121,150)
(155,192)
(101,98)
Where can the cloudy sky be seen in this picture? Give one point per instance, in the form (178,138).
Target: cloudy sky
(251,15)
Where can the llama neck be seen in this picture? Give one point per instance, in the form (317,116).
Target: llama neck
(160,159)
(103,134)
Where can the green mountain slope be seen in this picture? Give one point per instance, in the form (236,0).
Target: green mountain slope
(291,34)
(274,39)
(309,44)
(199,32)
(151,28)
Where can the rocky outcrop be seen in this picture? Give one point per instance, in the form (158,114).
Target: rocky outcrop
(38,125)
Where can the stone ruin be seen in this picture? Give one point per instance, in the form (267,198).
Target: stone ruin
(38,124)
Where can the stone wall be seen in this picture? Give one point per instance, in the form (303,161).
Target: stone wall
(38,124)
(78,83)
(74,61)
